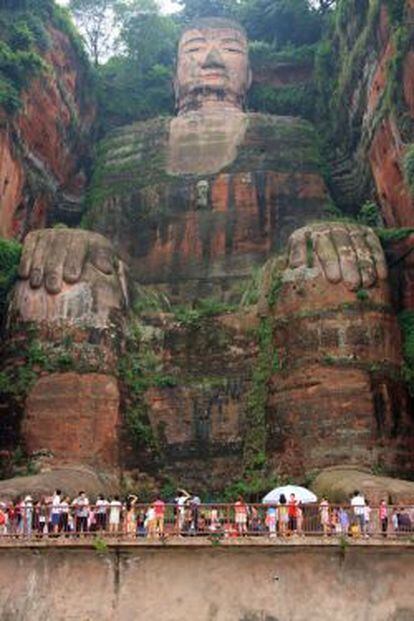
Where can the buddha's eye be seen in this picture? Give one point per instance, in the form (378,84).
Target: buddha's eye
(191,50)
(233,50)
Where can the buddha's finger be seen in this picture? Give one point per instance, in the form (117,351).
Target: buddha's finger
(38,262)
(347,257)
(75,256)
(297,248)
(56,255)
(365,260)
(101,254)
(377,253)
(327,255)
(27,254)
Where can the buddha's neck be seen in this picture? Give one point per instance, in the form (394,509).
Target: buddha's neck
(208,105)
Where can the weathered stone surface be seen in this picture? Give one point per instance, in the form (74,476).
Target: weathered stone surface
(205,227)
(42,172)
(281,583)
(326,414)
(371,135)
(338,395)
(339,484)
(70,479)
(68,276)
(386,157)
(199,422)
(75,417)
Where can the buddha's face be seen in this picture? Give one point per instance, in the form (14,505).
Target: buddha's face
(213,66)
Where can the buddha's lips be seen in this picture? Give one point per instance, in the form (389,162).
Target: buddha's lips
(214,75)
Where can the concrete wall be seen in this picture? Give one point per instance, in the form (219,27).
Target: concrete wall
(210,584)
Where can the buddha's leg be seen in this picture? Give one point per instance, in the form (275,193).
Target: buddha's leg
(337,396)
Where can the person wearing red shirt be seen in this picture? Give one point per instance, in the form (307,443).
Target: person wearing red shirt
(293,513)
(159,509)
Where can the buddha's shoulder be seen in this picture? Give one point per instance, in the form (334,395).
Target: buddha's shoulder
(279,143)
(136,139)
(271,126)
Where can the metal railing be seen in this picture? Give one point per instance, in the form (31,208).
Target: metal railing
(202,520)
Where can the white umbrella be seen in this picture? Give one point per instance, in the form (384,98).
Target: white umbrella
(301,493)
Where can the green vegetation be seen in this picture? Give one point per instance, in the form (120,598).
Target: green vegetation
(409,167)
(396,10)
(24,38)
(254,452)
(201,309)
(140,369)
(362,295)
(393,235)
(406,320)
(370,215)
(99,544)
(295,100)
(10,252)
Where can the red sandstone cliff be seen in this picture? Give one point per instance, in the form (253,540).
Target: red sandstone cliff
(44,148)
(374,111)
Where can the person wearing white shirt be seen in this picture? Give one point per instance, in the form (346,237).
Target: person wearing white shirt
(358,505)
(55,511)
(115,507)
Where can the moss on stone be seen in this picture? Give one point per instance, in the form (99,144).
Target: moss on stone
(10,252)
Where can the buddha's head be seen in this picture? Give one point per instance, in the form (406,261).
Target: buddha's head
(213,65)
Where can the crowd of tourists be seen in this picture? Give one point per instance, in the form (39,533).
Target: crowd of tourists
(60,515)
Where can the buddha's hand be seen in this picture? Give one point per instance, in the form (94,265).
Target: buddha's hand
(351,253)
(68,273)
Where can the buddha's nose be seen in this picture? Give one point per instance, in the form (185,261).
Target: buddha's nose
(213,60)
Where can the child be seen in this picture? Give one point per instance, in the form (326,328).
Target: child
(271,519)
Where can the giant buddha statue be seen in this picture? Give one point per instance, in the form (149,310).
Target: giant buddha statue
(190,205)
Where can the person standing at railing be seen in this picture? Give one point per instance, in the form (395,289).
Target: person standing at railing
(55,511)
(240,513)
(367,519)
(27,507)
(271,520)
(130,523)
(343,520)
(194,508)
(41,516)
(115,507)
(181,501)
(101,512)
(324,516)
(358,505)
(81,505)
(64,514)
(293,514)
(159,510)
(383,517)
(283,515)
(3,521)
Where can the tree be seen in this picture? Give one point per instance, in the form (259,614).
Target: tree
(282,22)
(137,82)
(95,20)
(192,9)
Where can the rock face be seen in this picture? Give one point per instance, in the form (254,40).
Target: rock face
(198,419)
(339,484)
(201,587)
(84,410)
(187,228)
(337,396)
(70,478)
(45,147)
(373,111)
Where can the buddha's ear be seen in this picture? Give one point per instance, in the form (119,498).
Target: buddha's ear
(176,91)
(249,77)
